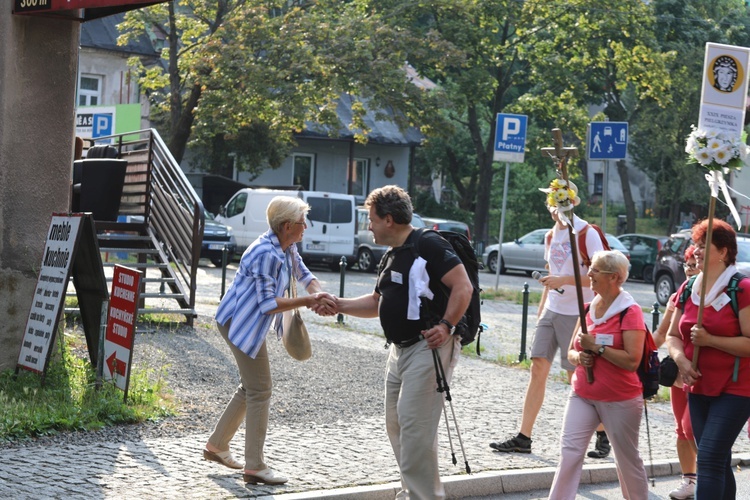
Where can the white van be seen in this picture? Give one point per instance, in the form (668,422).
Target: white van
(331,222)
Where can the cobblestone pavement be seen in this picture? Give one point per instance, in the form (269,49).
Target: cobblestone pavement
(350,451)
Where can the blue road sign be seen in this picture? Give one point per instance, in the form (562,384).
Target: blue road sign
(608,140)
(102,125)
(510,138)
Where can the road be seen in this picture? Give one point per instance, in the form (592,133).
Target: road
(357,283)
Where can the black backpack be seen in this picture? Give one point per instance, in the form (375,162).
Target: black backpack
(648,368)
(470,326)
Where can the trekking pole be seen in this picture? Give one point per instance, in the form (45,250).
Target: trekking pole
(445,412)
(453,412)
(648,438)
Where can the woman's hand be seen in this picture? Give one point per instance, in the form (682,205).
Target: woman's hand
(586,359)
(687,374)
(587,341)
(700,337)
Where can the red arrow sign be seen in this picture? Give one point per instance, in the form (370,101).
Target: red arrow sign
(115,365)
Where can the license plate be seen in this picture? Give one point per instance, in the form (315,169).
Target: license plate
(215,246)
(315,246)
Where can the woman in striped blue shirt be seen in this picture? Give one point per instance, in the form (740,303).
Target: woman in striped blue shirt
(253,305)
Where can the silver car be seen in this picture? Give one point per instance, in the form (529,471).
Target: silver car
(527,253)
(369,253)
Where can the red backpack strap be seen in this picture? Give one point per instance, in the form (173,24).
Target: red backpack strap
(585,260)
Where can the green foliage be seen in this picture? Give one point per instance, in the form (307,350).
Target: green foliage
(68,400)
(659,134)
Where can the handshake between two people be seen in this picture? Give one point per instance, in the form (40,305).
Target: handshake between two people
(323,304)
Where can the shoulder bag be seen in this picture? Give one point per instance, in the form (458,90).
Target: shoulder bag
(295,337)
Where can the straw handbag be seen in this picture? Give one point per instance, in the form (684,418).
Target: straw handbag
(295,337)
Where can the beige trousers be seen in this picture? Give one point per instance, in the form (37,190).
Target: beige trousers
(250,403)
(412,413)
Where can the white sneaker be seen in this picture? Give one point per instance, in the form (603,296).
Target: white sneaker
(686,490)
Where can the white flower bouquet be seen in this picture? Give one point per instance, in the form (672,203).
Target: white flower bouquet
(561,194)
(717,150)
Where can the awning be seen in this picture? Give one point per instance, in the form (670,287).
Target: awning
(78,10)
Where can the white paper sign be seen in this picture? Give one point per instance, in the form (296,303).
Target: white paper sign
(724,91)
(50,291)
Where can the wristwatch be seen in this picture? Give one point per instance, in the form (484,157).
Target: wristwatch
(448,324)
(600,351)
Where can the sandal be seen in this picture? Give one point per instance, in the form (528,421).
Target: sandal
(224,458)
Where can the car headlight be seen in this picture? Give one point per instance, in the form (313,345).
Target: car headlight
(230,233)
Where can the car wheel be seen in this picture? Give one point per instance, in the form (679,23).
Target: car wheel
(492,263)
(648,274)
(664,288)
(366,261)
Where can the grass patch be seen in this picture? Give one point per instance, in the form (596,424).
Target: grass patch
(508,295)
(69,401)
(511,360)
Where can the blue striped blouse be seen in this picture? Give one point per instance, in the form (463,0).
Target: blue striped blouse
(261,277)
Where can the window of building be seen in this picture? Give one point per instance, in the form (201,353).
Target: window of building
(303,171)
(90,90)
(598,184)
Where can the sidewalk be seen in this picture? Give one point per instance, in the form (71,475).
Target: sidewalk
(349,457)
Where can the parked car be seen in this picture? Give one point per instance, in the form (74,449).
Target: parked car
(369,253)
(527,253)
(447,225)
(669,273)
(643,249)
(215,236)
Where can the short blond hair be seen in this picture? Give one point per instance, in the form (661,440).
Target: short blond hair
(613,261)
(283,209)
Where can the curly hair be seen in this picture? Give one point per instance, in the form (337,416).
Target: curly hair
(391,200)
(722,236)
(689,252)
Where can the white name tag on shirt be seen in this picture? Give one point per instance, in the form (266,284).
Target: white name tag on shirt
(397,277)
(605,339)
(720,301)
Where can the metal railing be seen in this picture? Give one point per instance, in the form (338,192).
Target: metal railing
(157,190)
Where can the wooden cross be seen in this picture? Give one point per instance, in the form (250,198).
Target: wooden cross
(560,155)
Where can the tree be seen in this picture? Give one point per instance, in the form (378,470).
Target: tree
(605,55)
(175,88)
(251,68)
(549,58)
(659,137)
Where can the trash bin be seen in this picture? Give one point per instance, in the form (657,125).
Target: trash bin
(99,188)
(622,224)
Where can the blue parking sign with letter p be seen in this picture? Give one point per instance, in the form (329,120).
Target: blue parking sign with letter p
(102,125)
(510,138)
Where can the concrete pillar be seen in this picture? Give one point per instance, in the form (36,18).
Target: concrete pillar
(38,63)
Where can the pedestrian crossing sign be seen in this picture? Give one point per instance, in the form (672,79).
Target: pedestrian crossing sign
(607,140)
